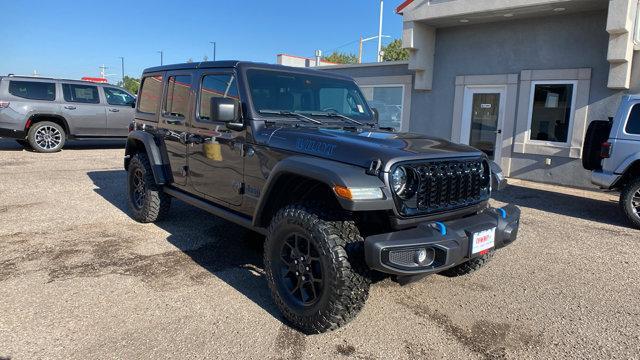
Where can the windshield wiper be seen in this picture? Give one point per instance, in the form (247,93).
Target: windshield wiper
(335,114)
(291,114)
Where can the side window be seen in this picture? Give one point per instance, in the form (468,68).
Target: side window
(87,94)
(118,97)
(177,101)
(150,92)
(633,124)
(33,90)
(220,85)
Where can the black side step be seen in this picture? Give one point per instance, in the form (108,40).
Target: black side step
(214,209)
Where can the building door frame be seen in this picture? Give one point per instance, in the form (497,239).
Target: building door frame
(465,129)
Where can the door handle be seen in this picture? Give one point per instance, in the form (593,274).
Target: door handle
(174,122)
(499,131)
(191,139)
(114,110)
(69,107)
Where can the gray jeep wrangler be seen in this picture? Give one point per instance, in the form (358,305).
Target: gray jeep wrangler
(612,153)
(296,155)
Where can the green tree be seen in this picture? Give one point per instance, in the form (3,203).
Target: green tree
(130,84)
(394,51)
(341,58)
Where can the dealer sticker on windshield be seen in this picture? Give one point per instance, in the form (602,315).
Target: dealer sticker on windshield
(483,240)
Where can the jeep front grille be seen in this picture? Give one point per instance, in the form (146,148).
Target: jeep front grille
(445,185)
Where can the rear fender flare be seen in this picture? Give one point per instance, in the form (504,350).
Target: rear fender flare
(159,163)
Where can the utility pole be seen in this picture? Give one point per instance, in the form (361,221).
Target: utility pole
(102,71)
(364,41)
(380,32)
(214,49)
(161,52)
(122,60)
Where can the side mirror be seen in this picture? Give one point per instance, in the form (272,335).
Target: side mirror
(133,104)
(225,110)
(376,114)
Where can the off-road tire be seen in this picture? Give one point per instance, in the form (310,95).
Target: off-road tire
(38,145)
(155,204)
(469,266)
(24,143)
(340,248)
(630,190)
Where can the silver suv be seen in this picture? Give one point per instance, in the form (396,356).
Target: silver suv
(612,152)
(43,113)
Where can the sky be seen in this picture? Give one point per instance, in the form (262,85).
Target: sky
(72,39)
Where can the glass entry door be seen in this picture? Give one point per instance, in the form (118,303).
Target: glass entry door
(482,120)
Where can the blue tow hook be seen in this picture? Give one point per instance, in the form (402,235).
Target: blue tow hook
(503,213)
(442,227)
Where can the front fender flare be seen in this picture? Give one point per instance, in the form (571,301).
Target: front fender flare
(331,173)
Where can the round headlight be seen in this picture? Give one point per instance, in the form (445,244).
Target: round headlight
(399,180)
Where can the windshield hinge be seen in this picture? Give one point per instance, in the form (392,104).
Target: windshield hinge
(374,167)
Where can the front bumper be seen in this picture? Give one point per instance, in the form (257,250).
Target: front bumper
(448,243)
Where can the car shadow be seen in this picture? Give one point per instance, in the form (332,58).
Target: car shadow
(601,211)
(227,251)
(12,145)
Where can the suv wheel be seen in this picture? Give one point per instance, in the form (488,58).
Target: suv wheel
(469,266)
(630,202)
(147,201)
(46,137)
(314,265)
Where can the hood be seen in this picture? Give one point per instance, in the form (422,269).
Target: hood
(360,147)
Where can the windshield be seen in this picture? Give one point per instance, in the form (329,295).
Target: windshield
(302,93)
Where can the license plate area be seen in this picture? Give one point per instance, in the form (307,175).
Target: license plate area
(482,241)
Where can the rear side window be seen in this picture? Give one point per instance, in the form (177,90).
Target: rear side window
(118,97)
(177,102)
(87,94)
(33,90)
(221,85)
(633,124)
(150,94)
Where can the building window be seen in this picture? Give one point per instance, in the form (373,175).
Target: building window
(176,103)
(388,100)
(215,86)
(633,124)
(33,90)
(150,92)
(551,111)
(86,94)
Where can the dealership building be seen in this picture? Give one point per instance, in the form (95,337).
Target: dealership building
(519,79)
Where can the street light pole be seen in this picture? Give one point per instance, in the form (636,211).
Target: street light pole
(161,55)
(380,32)
(214,49)
(122,60)
(364,41)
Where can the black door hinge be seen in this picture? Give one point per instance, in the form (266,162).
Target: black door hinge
(374,167)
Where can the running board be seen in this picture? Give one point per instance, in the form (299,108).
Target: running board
(214,209)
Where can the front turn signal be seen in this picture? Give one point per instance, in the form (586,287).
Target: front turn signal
(358,193)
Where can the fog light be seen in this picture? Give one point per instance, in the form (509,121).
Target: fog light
(425,257)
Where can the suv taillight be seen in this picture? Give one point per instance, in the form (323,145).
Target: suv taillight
(605,150)
(132,126)
(4,104)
